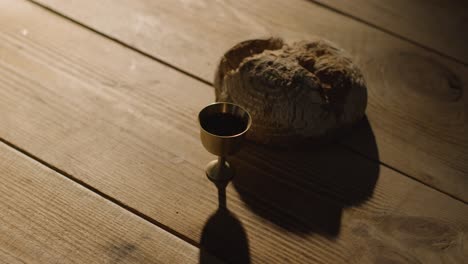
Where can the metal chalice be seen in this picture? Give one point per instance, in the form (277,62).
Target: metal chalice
(222,130)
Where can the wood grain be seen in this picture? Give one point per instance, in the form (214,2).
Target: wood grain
(417,104)
(126,125)
(46,218)
(440,25)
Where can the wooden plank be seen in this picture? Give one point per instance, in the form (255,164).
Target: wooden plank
(46,218)
(417,107)
(439,25)
(126,125)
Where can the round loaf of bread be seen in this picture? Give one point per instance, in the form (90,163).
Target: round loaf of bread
(306,91)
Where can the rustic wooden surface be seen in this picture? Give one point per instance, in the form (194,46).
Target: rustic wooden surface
(121,122)
(417,106)
(439,25)
(46,218)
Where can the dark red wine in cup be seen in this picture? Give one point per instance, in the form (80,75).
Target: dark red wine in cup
(225,124)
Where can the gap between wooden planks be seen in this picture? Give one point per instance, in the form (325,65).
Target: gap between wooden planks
(125,125)
(417,104)
(438,25)
(46,218)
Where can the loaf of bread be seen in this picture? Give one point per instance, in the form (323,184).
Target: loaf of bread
(306,91)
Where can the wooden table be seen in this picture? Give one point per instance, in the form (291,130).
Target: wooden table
(100,160)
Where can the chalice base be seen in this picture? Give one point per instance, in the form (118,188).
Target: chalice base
(219,171)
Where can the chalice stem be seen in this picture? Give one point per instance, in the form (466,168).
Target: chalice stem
(221,162)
